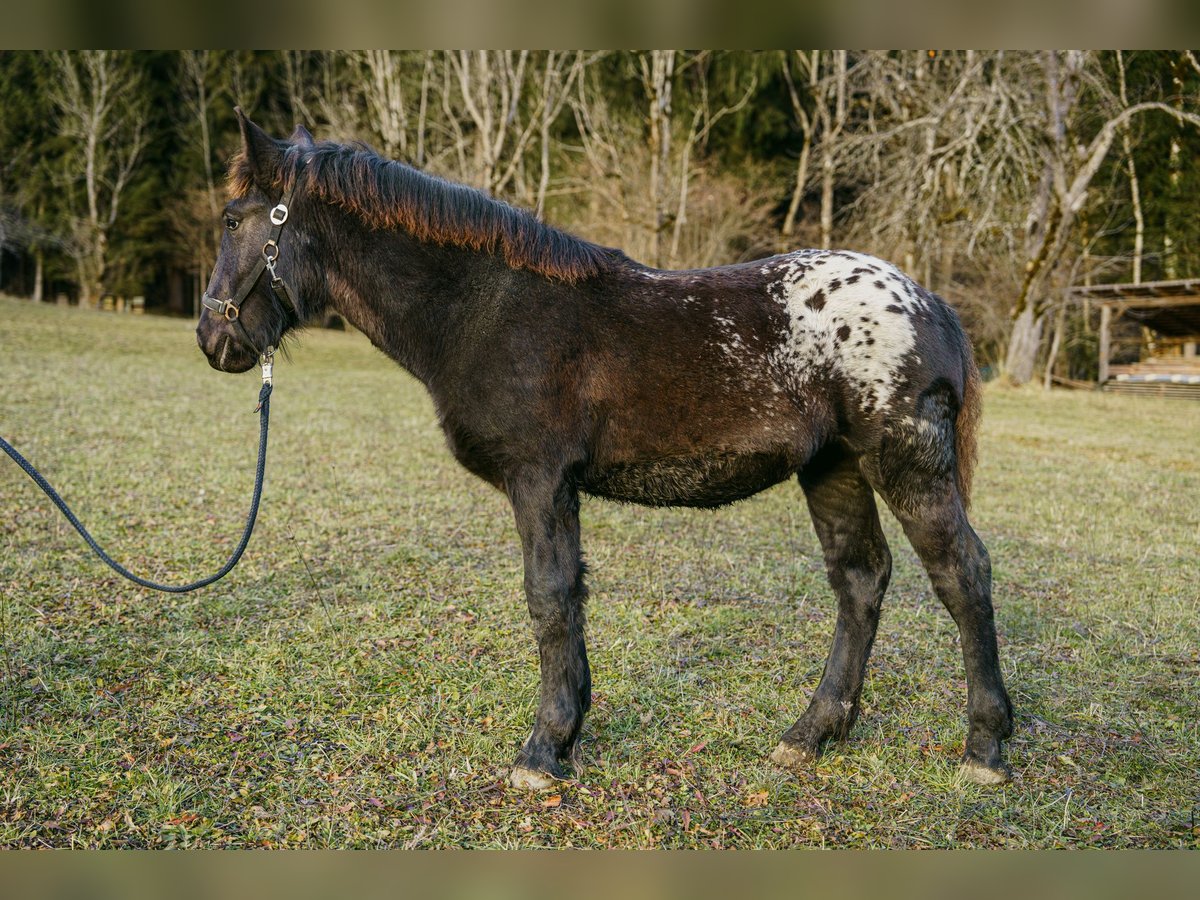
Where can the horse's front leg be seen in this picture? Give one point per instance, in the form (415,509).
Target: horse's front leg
(547,513)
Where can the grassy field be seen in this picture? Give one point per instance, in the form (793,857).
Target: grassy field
(366,674)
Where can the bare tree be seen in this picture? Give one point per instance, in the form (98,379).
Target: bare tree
(657,70)
(704,118)
(486,118)
(244,78)
(831,114)
(490,88)
(294,63)
(1070,166)
(986,159)
(384,87)
(643,180)
(559,72)
(102,113)
(1135,191)
(201,88)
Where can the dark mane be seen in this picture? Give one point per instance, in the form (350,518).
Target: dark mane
(390,194)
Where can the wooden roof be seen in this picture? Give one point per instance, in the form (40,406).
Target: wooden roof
(1171,308)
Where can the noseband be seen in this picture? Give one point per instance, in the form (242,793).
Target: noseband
(270,255)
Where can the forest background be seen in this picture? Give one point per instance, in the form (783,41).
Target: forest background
(998,179)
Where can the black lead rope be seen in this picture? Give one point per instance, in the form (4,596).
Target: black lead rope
(230,309)
(264,412)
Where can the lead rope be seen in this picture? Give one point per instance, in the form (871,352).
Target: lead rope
(264,412)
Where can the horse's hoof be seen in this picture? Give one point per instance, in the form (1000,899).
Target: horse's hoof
(977,773)
(530,779)
(791,756)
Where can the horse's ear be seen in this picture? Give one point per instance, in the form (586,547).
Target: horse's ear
(301,138)
(262,153)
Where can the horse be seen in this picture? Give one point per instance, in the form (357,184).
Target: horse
(560,368)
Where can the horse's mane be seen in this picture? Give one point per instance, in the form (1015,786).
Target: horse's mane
(387,193)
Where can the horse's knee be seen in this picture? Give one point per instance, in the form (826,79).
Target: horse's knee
(556,603)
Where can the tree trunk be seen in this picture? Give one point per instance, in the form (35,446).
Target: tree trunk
(826,196)
(1023,346)
(657,78)
(1055,344)
(1135,192)
(789,222)
(38,276)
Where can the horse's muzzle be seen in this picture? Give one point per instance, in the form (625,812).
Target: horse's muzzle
(224,352)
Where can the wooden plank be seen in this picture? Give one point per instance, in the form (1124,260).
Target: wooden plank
(1177,288)
(1172,391)
(1151,367)
(1073,383)
(1155,302)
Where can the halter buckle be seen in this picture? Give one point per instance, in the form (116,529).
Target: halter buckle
(224,308)
(279,214)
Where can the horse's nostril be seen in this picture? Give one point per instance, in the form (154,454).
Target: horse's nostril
(208,337)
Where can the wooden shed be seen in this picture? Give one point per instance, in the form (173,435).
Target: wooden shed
(1148,336)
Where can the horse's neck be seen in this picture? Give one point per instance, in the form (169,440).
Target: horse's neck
(412,301)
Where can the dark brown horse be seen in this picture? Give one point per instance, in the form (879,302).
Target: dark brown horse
(559,367)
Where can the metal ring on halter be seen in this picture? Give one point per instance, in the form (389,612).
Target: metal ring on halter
(270,257)
(279,214)
(231,311)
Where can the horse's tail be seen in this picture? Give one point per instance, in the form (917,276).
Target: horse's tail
(966,426)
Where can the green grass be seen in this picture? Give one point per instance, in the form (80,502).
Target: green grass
(366,674)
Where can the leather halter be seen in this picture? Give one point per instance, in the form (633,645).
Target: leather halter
(230,309)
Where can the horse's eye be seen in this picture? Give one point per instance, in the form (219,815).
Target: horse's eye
(231,223)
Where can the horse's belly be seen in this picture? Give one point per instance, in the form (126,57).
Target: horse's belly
(705,481)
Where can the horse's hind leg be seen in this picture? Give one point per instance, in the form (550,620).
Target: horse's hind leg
(915,476)
(858,564)
(958,566)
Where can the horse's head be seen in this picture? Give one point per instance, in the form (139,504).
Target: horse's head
(252,298)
